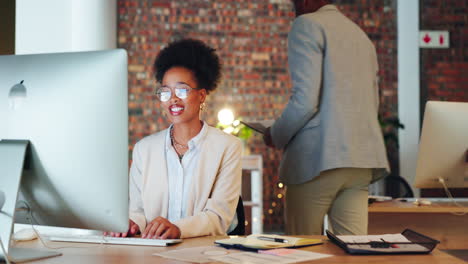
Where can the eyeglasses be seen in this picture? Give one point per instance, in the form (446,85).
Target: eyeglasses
(182,90)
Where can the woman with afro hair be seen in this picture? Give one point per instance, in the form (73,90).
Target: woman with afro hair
(184,180)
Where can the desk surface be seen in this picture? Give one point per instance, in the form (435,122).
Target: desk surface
(409,207)
(440,221)
(94,254)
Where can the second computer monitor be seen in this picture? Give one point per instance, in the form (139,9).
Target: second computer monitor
(443,147)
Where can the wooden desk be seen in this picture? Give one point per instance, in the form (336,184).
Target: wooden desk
(97,254)
(436,220)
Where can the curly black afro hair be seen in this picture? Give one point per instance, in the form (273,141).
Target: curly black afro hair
(194,55)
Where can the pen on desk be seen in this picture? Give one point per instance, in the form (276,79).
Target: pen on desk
(390,244)
(273,239)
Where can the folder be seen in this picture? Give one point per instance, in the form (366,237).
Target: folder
(263,241)
(259,126)
(412,242)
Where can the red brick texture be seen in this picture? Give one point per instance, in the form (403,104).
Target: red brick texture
(444,72)
(251,38)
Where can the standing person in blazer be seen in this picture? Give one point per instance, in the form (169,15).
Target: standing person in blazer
(329,130)
(185,180)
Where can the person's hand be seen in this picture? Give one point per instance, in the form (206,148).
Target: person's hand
(161,228)
(267,138)
(133,229)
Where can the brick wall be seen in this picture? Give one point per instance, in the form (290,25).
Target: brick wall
(444,72)
(251,38)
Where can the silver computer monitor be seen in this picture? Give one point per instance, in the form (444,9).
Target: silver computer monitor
(73,110)
(443,146)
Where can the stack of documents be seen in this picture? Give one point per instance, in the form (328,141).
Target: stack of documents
(408,241)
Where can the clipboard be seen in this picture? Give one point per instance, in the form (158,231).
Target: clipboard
(418,244)
(258,126)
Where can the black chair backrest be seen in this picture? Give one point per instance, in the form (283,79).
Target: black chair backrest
(398,187)
(240,228)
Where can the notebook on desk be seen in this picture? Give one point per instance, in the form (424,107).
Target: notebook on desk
(262,241)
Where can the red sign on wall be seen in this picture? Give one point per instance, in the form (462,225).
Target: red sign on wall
(433,39)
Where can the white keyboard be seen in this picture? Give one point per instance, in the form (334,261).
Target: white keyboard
(99,239)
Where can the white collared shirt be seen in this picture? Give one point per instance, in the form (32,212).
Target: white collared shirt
(180,173)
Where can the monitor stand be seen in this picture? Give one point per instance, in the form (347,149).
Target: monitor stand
(12,156)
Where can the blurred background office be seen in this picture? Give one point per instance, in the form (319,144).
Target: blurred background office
(251,39)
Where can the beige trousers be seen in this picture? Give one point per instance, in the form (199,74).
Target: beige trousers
(340,193)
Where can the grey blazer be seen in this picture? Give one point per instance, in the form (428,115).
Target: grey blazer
(330,120)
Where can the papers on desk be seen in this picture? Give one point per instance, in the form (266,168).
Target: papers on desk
(397,242)
(214,253)
(363,239)
(279,256)
(408,241)
(195,254)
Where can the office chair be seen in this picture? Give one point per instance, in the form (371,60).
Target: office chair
(398,187)
(240,228)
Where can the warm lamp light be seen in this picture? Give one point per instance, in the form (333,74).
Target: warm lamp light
(225,116)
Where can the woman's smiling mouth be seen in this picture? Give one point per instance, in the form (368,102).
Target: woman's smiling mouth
(176,110)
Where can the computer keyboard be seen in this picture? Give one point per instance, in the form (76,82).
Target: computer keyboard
(99,239)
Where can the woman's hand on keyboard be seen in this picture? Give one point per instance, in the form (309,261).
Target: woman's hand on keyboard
(133,229)
(161,228)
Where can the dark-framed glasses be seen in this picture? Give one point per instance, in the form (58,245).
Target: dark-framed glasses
(181,90)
